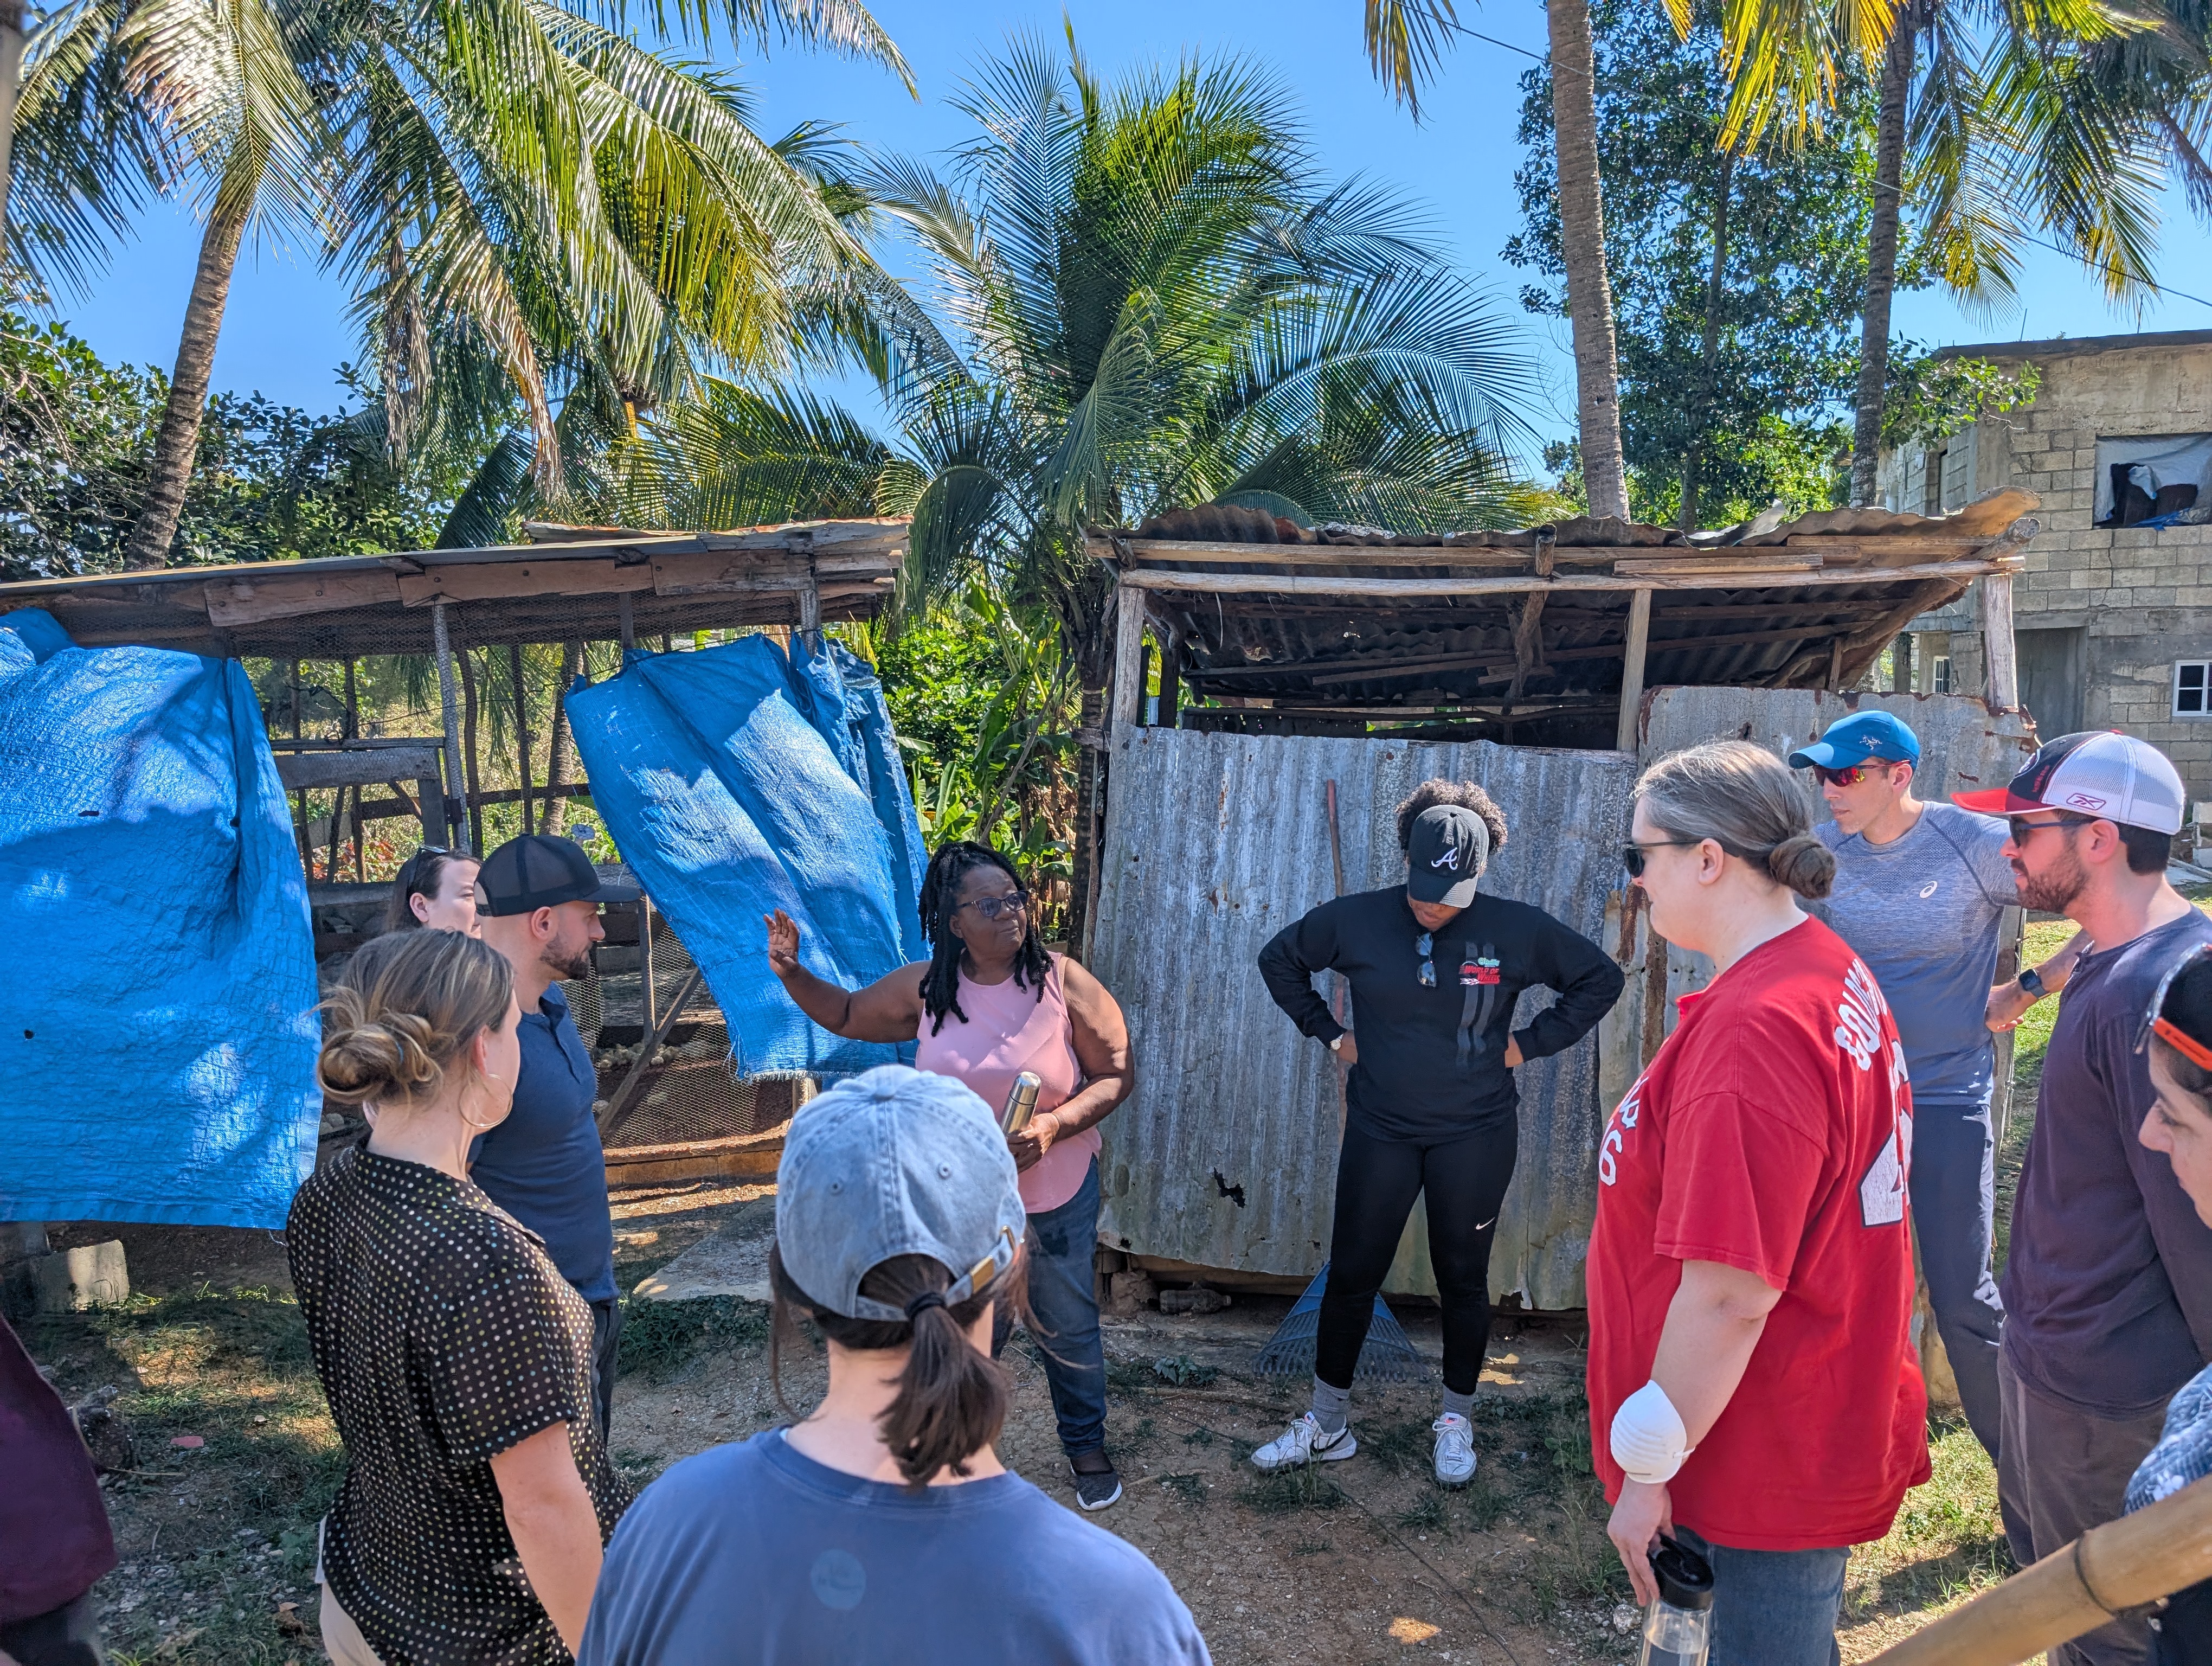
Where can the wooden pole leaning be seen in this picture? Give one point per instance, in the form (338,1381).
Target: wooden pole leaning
(1632,670)
(2000,651)
(2127,1564)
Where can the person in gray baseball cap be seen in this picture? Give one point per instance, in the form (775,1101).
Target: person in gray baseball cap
(1437,967)
(882,1526)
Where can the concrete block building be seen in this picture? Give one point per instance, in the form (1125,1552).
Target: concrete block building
(2113,614)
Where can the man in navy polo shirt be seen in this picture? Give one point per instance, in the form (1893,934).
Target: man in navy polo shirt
(538,900)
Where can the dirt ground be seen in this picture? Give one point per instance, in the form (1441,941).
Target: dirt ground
(1365,1561)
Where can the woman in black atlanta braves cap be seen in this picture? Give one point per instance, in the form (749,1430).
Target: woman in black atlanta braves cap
(1436,968)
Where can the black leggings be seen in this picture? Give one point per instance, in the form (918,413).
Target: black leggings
(1377,1180)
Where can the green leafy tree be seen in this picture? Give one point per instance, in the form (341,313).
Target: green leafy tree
(1154,299)
(1738,276)
(531,208)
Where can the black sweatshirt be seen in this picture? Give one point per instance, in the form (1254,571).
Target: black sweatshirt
(1432,1060)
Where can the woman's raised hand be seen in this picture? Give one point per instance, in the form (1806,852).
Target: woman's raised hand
(782,943)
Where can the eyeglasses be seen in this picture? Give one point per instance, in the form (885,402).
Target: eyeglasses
(1850,777)
(2167,1031)
(1425,946)
(995,908)
(1631,854)
(2023,829)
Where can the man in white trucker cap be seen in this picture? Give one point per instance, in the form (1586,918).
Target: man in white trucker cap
(2108,1286)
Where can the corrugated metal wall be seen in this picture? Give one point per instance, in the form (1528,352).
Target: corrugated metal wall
(1226,1154)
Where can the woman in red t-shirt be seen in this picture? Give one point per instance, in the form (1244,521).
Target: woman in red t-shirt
(1752,1388)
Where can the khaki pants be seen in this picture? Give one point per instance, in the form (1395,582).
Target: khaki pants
(342,1638)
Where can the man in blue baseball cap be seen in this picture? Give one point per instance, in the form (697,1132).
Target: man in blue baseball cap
(1919,893)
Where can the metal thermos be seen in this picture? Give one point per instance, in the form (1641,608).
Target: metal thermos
(1677,1627)
(1021,1104)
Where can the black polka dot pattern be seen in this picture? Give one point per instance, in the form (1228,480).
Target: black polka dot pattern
(443,1335)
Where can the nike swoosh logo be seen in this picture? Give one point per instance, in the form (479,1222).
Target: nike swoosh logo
(1484,1225)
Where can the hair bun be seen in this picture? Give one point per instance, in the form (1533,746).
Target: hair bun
(367,1058)
(1804,864)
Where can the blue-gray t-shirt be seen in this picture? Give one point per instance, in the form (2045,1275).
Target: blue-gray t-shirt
(1922,912)
(2108,1284)
(752,1555)
(544,1164)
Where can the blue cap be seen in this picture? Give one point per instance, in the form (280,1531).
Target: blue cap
(1862,738)
(894,1162)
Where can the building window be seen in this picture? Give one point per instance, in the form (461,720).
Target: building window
(2158,480)
(1942,673)
(2192,683)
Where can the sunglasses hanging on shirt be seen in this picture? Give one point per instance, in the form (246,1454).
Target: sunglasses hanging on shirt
(1425,946)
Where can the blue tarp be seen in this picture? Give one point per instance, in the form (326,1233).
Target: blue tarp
(158,1032)
(738,780)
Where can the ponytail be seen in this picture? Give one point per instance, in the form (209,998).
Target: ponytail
(952,1399)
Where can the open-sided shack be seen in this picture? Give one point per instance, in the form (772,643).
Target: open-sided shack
(673,1108)
(1550,664)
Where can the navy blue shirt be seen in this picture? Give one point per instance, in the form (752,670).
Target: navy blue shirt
(2108,1286)
(755,1555)
(544,1164)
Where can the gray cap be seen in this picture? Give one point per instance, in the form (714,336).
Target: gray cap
(1449,848)
(894,1162)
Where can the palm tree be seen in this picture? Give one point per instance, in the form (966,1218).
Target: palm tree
(1156,301)
(1405,38)
(531,208)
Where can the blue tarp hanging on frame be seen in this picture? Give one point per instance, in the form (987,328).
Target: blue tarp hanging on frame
(158,1035)
(738,780)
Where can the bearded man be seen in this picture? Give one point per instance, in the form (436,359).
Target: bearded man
(538,898)
(2108,1286)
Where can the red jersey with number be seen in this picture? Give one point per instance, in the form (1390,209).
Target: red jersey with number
(1773,1133)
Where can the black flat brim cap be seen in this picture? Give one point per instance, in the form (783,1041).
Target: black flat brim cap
(540,871)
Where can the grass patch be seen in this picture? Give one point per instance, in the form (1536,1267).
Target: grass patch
(1131,1377)
(1288,1491)
(1947,1543)
(1404,1446)
(1426,1514)
(659,1339)
(1184,1371)
(1486,1503)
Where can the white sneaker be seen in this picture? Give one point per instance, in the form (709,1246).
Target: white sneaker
(1303,1442)
(1455,1450)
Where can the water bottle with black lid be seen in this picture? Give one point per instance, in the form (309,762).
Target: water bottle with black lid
(1677,1628)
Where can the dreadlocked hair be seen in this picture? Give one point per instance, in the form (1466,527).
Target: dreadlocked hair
(950,865)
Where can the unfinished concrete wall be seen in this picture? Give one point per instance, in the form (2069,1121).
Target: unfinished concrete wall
(2143,597)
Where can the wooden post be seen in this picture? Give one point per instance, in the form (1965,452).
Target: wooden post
(1128,695)
(2000,655)
(1835,665)
(1171,651)
(456,812)
(810,609)
(521,729)
(1631,670)
(1900,663)
(647,1014)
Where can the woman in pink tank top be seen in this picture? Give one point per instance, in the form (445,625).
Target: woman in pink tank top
(990,1003)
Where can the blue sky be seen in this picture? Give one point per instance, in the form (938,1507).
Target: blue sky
(287,331)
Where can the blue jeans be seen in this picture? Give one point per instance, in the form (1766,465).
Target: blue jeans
(1064,1312)
(1954,1186)
(1772,1607)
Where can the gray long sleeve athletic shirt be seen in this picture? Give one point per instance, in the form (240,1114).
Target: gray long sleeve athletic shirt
(1432,1060)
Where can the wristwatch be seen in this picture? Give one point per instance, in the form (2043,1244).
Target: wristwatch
(2031,981)
(1336,1042)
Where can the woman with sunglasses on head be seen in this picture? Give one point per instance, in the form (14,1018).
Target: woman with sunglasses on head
(435,888)
(1752,1388)
(990,1003)
(1437,968)
(2178,1040)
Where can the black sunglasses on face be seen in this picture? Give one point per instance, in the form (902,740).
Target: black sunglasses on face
(2023,829)
(1632,858)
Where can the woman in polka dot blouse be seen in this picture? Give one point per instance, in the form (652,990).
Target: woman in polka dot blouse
(477,1496)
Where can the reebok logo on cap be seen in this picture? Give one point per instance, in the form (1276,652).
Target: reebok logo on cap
(2099,773)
